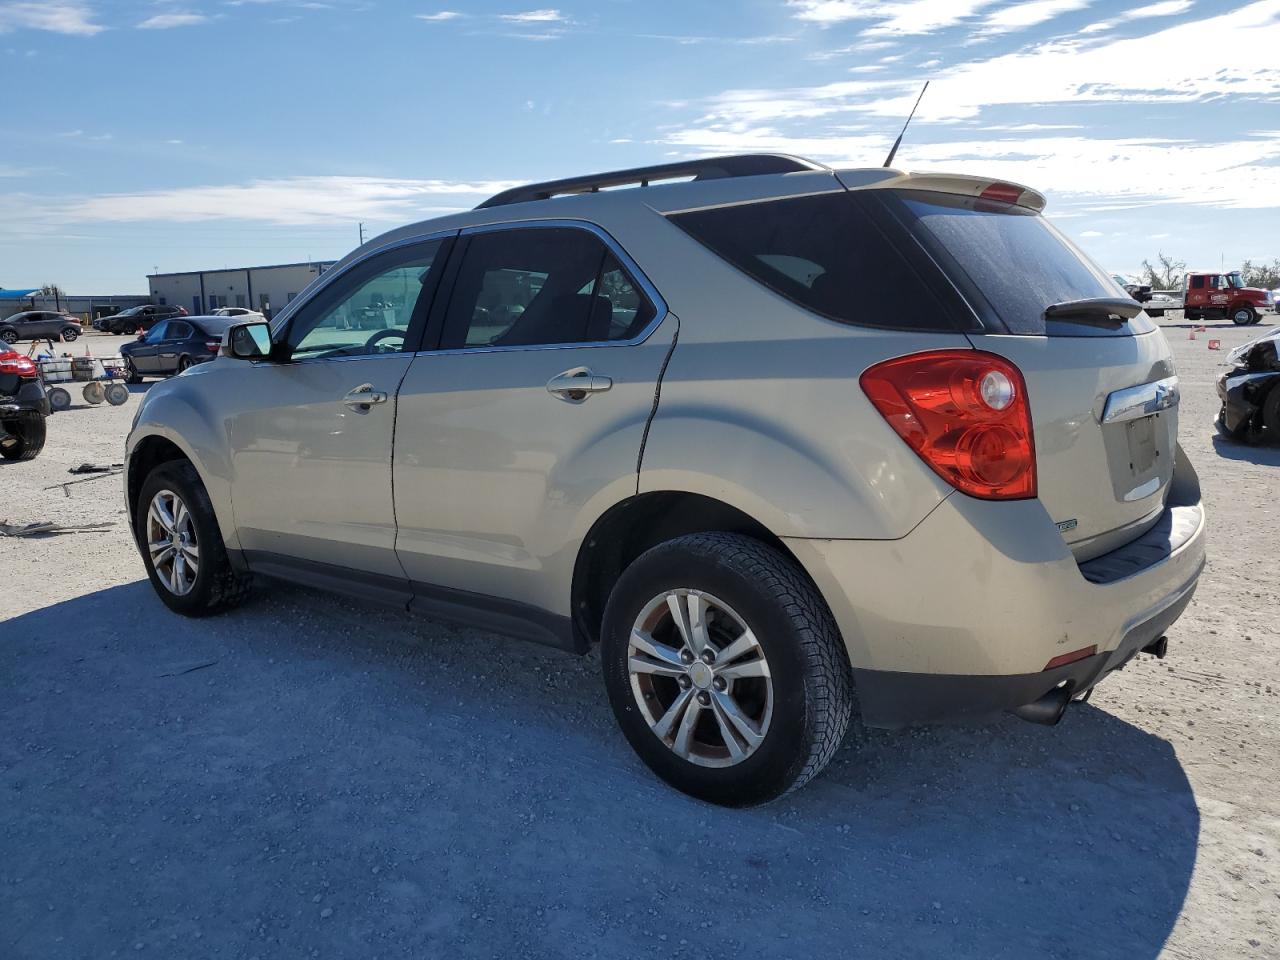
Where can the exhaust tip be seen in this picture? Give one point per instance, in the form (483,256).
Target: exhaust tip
(1046,711)
(1157,648)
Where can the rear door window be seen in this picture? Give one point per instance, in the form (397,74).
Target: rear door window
(542,286)
(829,254)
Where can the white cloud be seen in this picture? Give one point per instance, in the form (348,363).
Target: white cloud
(900,18)
(167,21)
(533,16)
(1023,15)
(1071,71)
(439,17)
(1092,233)
(299,200)
(1166,8)
(54,16)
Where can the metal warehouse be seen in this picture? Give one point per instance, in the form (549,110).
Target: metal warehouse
(265,288)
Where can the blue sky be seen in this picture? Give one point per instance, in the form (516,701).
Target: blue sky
(205,133)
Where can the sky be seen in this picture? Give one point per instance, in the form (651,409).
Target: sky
(145,135)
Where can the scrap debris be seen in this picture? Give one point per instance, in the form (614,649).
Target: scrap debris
(43,528)
(97,472)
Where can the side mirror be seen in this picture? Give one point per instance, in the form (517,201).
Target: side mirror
(247,341)
(142,336)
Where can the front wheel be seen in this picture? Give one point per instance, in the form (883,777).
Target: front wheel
(1271,414)
(22,439)
(1243,316)
(70,334)
(181,545)
(724,669)
(9,336)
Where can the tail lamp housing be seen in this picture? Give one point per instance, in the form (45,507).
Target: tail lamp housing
(965,413)
(16,363)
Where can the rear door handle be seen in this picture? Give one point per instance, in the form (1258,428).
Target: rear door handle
(364,396)
(577,384)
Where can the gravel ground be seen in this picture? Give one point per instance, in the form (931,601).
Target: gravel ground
(310,778)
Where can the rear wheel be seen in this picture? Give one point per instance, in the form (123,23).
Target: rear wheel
(725,669)
(133,376)
(183,363)
(1242,316)
(181,544)
(1191,315)
(23,438)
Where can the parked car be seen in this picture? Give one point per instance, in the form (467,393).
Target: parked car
(764,436)
(1139,291)
(242,312)
(23,407)
(1250,391)
(173,345)
(39,325)
(140,318)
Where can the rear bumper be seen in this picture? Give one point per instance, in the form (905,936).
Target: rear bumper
(959,619)
(29,401)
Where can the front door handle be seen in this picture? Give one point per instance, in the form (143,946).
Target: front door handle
(364,396)
(577,384)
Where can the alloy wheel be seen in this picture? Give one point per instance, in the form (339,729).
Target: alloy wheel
(700,678)
(171,542)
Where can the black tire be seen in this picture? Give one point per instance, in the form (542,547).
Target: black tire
(1271,413)
(25,438)
(70,334)
(813,685)
(133,376)
(9,336)
(217,585)
(183,363)
(129,330)
(1191,316)
(1243,316)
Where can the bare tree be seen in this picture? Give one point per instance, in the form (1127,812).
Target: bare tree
(55,291)
(1265,275)
(1168,276)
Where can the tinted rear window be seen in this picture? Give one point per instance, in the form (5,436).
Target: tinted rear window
(828,254)
(1009,262)
(214,326)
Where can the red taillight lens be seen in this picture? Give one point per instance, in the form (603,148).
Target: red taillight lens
(16,363)
(214,345)
(965,413)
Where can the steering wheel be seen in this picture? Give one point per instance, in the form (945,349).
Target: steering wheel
(383,335)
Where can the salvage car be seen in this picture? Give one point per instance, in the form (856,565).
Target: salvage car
(23,407)
(141,318)
(172,346)
(765,436)
(1250,391)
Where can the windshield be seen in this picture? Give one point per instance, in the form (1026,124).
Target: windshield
(1235,280)
(1011,264)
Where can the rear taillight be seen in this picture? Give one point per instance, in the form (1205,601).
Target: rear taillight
(22,366)
(965,413)
(1002,193)
(213,345)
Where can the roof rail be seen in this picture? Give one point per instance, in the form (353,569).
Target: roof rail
(711,168)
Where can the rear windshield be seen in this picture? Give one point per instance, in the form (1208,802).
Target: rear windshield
(1009,262)
(828,254)
(214,326)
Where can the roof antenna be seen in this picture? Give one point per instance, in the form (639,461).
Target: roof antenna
(897,143)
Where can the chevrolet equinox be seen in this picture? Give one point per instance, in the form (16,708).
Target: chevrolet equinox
(786,442)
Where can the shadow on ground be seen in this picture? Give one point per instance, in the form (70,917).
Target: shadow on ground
(305,777)
(1261,453)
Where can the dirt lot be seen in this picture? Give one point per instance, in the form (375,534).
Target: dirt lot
(310,778)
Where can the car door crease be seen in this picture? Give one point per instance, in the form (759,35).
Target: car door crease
(657,395)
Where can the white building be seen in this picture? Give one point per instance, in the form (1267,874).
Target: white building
(266,288)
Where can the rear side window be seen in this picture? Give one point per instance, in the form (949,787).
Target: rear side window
(1008,261)
(541,286)
(828,254)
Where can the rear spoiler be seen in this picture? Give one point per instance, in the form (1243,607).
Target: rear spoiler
(954,183)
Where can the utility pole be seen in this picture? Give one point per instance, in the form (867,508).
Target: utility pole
(362,234)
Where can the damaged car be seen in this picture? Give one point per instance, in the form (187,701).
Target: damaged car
(23,407)
(1250,391)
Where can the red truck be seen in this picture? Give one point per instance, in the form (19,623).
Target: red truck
(1217,296)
